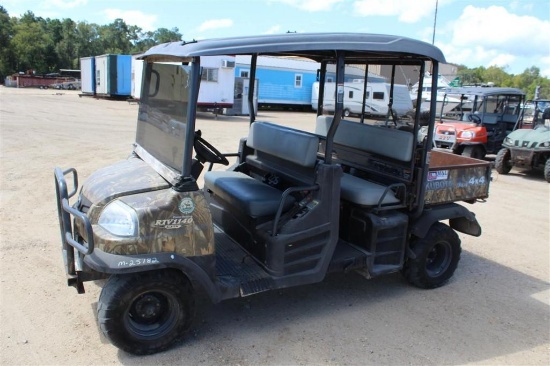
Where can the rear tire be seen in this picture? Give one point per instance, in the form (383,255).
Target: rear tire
(347,112)
(503,162)
(437,256)
(144,313)
(547,170)
(474,151)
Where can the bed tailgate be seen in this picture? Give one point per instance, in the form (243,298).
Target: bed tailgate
(454,178)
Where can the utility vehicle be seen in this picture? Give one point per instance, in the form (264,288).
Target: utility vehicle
(528,145)
(298,204)
(479,124)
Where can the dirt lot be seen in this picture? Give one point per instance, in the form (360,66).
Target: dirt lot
(495,310)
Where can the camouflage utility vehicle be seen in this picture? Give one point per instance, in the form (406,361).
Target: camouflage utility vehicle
(528,145)
(481,122)
(298,203)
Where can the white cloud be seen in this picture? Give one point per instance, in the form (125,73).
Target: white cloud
(495,28)
(273,30)
(215,24)
(494,36)
(310,5)
(133,17)
(406,11)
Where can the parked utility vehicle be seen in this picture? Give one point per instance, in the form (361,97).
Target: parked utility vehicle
(528,145)
(296,206)
(484,117)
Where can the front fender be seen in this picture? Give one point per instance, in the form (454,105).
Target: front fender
(199,269)
(460,219)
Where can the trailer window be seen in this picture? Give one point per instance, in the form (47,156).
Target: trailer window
(378,95)
(209,74)
(298,80)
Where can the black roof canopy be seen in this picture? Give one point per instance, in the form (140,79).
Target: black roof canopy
(315,46)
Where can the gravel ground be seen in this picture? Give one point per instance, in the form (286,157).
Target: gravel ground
(494,311)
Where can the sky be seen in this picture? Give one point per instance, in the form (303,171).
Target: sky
(513,34)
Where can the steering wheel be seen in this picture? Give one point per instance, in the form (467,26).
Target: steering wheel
(206,152)
(474,118)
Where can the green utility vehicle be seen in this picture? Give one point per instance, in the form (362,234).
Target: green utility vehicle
(528,145)
(298,203)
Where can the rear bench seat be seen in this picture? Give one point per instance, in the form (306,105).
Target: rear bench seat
(391,143)
(278,150)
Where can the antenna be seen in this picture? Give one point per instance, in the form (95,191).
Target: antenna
(435,21)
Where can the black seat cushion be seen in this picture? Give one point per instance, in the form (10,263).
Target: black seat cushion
(247,194)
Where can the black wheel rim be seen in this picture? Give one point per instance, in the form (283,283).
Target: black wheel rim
(152,315)
(438,259)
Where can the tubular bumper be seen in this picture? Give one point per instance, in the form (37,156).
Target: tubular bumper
(66,214)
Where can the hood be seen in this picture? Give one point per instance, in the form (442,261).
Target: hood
(121,179)
(539,137)
(454,125)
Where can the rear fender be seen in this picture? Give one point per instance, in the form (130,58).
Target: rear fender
(460,219)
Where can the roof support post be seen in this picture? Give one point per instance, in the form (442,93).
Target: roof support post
(339,103)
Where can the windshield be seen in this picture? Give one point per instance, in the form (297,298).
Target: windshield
(162,113)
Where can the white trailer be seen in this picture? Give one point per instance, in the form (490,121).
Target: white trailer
(87,74)
(376,100)
(217,82)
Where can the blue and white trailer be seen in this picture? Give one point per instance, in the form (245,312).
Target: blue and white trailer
(87,75)
(113,75)
(281,81)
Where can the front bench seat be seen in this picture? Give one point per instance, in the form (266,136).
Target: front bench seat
(247,194)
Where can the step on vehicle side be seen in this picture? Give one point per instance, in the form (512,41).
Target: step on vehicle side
(528,146)
(297,205)
(481,122)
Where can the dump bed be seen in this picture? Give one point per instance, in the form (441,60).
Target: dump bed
(454,177)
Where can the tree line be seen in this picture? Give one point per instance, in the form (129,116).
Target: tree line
(48,45)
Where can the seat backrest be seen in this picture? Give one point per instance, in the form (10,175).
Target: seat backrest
(388,142)
(291,145)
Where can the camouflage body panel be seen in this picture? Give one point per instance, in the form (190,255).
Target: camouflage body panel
(454,178)
(169,221)
(123,178)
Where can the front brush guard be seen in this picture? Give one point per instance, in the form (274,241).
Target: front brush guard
(68,240)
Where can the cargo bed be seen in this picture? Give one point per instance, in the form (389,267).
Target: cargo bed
(454,178)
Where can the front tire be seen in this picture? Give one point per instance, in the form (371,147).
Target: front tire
(437,256)
(547,170)
(474,151)
(503,162)
(144,313)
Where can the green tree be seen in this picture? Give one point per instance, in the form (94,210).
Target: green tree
(161,35)
(88,42)
(32,45)
(6,53)
(116,37)
(66,46)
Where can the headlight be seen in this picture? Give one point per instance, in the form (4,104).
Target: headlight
(119,219)
(545,144)
(468,134)
(508,140)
